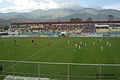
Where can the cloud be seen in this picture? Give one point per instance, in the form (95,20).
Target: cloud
(44,5)
(113,6)
(95,7)
(48,5)
(71,5)
(1,1)
(24,5)
(30,5)
(4,9)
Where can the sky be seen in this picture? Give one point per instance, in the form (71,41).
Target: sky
(31,5)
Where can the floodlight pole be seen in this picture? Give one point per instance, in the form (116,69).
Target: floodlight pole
(13,69)
(68,71)
(38,70)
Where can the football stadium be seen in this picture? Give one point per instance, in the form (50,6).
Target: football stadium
(61,51)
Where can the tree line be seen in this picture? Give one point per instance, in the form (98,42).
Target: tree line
(77,19)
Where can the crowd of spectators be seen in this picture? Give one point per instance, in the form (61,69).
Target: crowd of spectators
(59,27)
(62,27)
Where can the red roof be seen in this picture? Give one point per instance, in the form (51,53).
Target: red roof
(82,22)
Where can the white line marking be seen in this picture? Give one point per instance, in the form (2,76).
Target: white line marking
(82,64)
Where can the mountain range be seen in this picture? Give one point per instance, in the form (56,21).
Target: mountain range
(57,15)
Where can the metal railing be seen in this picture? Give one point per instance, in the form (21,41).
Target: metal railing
(60,71)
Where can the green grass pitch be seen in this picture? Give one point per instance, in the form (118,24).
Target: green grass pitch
(62,52)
